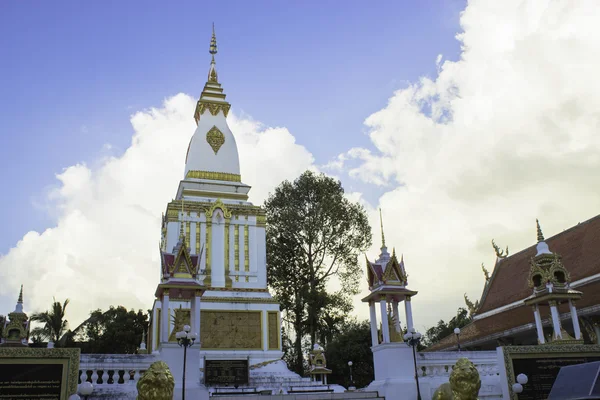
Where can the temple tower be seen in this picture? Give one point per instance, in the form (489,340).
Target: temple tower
(15,332)
(213,249)
(550,281)
(392,357)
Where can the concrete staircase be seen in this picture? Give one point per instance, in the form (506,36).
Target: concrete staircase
(309,396)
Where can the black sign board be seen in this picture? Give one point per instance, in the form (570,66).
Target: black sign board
(31,381)
(225,372)
(542,373)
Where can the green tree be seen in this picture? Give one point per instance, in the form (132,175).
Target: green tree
(443,329)
(353,343)
(314,233)
(2,322)
(115,331)
(53,322)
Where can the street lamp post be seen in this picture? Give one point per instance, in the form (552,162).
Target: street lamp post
(185,339)
(457,333)
(351,387)
(413,338)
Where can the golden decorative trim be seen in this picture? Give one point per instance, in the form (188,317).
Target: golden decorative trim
(198,237)
(262,300)
(218,204)
(236,246)
(263,364)
(215,138)
(227,329)
(213,106)
(274,330)
(208,279)
(540,352)
(187,234)
(246,250)
(261,220)
(245,290)
(202,193)
(200,207)
(215,176)
(69,358)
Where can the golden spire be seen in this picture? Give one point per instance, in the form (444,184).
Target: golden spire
(20,300)
(212,73)
(382,234)
(540,235)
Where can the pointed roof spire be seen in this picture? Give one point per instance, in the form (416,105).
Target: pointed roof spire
(212,73)
(382,233)
(540,235)
(19,306)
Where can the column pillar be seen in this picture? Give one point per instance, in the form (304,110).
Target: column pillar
(538,324)
(384,321)
(555,319)
(396,316)
(374,338)
(196,315)
(408,310)
(574,319)
(165,318)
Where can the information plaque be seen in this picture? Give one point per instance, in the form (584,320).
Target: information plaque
(225,372)
(542,364)
(37,373)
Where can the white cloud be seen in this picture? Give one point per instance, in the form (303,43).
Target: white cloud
(504,135)
(104,248)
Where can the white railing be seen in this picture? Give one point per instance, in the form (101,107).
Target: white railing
(434,369)
(117,374)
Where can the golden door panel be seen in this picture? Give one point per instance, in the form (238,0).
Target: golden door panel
(230,329)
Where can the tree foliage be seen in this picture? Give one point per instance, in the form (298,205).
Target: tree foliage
(314,234)
(352,343)
(115,331)
(443,329)
(53,322)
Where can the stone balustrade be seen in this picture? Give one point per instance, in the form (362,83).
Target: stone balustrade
(434,369)
(114,376)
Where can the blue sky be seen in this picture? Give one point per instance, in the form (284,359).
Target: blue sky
(73,72)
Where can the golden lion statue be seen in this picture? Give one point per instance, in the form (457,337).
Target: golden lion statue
(464,383)
(157,383)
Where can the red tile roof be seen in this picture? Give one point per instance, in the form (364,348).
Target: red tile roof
(514,318)
(579,247)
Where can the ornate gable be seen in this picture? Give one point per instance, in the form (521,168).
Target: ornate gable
(181,264)
(394,272)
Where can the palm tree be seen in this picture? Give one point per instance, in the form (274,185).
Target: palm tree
(54,324)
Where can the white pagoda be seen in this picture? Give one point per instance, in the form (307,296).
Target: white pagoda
(213,257)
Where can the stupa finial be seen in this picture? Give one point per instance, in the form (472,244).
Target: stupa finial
(20,300)
(540,235)
(382,233)
(212,72)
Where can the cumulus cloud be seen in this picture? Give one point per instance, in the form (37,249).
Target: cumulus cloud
(104,248)
(507,133)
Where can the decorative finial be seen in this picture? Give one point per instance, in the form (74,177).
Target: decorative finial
(382,233)
(499,253)
(393,252)
(485,273)
(212,72)
(20,300)
(213,42)
(540,235)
